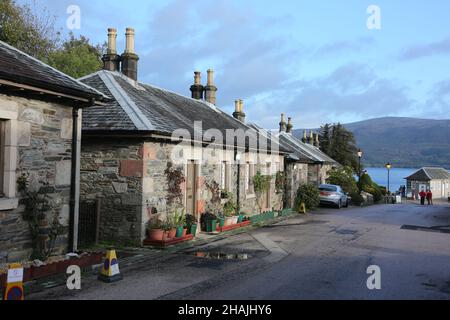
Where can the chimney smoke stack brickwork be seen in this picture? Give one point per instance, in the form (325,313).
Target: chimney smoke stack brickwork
(197,88)
(111,61)
(239,110)
(210,88)
(282,123)
(289,126)
(129,57)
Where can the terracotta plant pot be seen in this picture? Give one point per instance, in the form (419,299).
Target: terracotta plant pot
(184,232)
(156,234)
(165,235)
(172,233)
(235,220)
(228,221)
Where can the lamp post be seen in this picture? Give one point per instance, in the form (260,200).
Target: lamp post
(237,158)
(360,154)
(388,167)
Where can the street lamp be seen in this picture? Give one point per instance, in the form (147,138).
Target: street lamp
(360,154)
(388,167)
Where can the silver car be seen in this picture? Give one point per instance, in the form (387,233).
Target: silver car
(333,195)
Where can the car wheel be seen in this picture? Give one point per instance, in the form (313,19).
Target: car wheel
(346,204)
(339,204)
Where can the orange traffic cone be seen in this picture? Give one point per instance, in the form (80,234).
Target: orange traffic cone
(110,271)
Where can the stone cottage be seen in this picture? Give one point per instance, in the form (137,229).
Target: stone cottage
(435,179)
(131,145)
(40,121)
(304,164)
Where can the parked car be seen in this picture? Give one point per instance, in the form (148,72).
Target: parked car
(333,195)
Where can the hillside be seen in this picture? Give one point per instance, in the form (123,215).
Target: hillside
(405,142)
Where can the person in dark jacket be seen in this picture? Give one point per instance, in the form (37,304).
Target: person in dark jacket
(430,197)
(422,195)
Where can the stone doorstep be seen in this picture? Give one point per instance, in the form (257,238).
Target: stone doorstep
(144,255)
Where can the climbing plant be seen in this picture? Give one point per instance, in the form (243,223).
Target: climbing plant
(36,206)
(216,199)
(261,183)
(175,178)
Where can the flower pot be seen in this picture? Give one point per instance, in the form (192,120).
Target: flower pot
(240,218)
(193,229)
(172,233)
(235,219)
(165,235)
(211,225)
(228,221)
(184,232)
(179,232)
(221,222)
(156,234)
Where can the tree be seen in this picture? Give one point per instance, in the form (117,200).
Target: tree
(35,35)
(31,33)
(343,177)
(77,57)
(309,195)
(339,143)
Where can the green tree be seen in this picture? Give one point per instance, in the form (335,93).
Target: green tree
(309,195)
(339,143)
(27,31)
(343,177)
(77,57)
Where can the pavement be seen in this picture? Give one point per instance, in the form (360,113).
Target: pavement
(321,255)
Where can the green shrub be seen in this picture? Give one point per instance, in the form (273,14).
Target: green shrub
(357,199)
(308,194)
(343,177)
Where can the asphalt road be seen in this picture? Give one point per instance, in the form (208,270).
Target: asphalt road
(324,255)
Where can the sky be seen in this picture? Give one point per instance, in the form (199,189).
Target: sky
(314,60)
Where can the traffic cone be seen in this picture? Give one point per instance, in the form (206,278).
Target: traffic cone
(110,270)
(302,208)
(14,282)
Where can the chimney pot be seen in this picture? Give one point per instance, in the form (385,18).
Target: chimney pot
(210,88)
(197,88)
(111,61)
(239,110)
(289,126)
(282,124)
(129,57)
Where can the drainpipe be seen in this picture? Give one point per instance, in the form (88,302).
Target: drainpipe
(73,179)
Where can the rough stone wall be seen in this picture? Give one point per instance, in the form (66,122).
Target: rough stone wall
(324,173)
(296,175)
(112,171)
(43,133)
(313,174)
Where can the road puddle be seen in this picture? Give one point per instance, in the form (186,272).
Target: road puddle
(220,255)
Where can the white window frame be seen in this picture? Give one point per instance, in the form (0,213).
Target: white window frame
(9,152)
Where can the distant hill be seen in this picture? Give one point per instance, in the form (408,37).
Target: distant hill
(405,142)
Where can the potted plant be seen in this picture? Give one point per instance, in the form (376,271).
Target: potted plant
(191,224)
(179,220)
(155,230)
(169,227)
(209,221)
(221,219)
(229,210)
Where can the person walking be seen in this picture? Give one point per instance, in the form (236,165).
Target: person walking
(422,195)
(430,197)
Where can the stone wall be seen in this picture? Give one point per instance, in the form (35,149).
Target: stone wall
(296,175)
(111,172)
(42,135)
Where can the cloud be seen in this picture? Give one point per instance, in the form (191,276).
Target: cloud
(343,47)
(431,49)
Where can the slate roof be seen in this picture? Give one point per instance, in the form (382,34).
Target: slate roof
(142,108)
(304,149)
(428,173)
(18,67)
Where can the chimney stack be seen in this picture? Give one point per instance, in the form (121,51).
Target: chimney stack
(111,61)
(197,88)
(305,138)
(289,126)
(210,88)
(317,142)
(311,137)
(239,110)
(282,124)
(129,57)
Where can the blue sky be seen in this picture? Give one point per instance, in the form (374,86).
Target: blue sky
(316,61)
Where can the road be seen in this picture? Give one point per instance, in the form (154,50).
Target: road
(323,255)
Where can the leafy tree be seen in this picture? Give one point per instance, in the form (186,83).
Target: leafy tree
(22,28)
(35,35)
(339,143)
(77,57)
(343,177)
